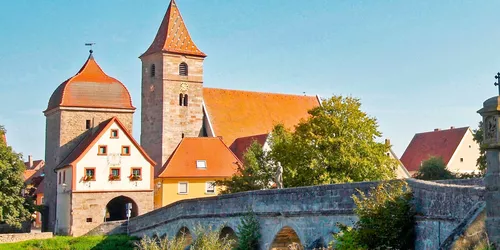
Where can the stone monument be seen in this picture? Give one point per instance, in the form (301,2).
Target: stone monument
(491,142)
(279,176)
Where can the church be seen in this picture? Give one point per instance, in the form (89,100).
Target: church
(191,135)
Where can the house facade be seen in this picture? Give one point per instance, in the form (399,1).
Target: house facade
(456,146)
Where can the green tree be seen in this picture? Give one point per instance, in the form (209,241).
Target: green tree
(434,169)
(336,144)
(249,233)
(255,174)
(478,137)
(13,207)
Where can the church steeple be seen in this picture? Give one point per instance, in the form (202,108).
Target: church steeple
(173,36)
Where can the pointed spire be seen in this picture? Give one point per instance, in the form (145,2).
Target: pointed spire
(173,36)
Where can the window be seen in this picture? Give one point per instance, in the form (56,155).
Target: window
(182,136)
(461,159)
(181,99)
(59,178)
(103,150)
(64,176)
(89,219)
(114,174)
(87,124)
(153,70)
(210,187)
(201,164)
(89,174)
(183,69)
(182,188)
(125,150)
(185,100)
(114,133)
(135,174)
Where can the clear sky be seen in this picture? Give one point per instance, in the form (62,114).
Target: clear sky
(416,65)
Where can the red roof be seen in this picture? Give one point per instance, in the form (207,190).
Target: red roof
(173,36)
(36,164)
(91,138)
(441,143)
(91,88)
(220,161)
(235,114)
(241,145)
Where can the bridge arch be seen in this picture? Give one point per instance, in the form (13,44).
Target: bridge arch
(186,234)
(285,237)
(116,208)
(229,234)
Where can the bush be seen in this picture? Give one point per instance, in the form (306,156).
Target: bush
(248,233)
(434,169)
(386,219)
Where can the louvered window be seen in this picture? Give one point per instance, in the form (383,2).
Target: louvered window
(183,69)
(153,70)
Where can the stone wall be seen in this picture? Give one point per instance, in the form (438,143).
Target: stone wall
(109,228)
(464,182)
(313,212)
(11,238)
(25,228)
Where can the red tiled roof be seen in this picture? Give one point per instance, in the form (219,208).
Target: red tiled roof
(173,36)
(220,161)
(36,164)
(240,145)
(91,88)
(91,138)
(234,113)
(441,143)
(28,174)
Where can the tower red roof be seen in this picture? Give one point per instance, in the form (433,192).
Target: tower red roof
(91,88)
(173,36)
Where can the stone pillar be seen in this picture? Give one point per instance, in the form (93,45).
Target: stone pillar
(491,141)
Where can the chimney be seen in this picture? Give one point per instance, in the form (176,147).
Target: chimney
(452,127)
(30,161)
(387,142)
(436,129)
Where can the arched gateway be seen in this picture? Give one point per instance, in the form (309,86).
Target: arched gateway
(116,208)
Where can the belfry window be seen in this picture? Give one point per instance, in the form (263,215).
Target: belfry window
(181,99)
(153,70)
(183,69)
(185,100)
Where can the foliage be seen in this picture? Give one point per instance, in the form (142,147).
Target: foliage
(256,173)
(14,209)
(161,243)
(386,219)
(208,239)
(248,232)
(336,144)
(471,175)
(434,169)
(478,137)
(111,242)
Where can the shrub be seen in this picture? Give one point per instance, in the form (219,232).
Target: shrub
(161,243)
(386,219)
(434,169)
(248,233)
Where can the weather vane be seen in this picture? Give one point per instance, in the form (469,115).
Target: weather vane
(90,45)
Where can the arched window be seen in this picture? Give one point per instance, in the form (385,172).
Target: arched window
(153,70)
(181,99)
(183,69)
(185,100)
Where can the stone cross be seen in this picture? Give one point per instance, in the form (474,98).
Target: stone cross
(491,142)
(497,83)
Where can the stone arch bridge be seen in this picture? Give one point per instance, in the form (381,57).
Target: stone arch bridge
(309,215)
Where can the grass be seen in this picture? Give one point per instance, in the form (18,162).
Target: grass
(112,242)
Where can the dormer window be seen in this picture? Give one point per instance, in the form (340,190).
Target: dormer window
(183,69)
(153,70)
(114,134)
(201,164)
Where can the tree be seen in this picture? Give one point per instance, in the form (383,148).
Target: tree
(336,144)
(255,174)
(248,232)
(14,209)
(478,137)
(434,169)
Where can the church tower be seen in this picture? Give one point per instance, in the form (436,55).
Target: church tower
(172,88)
(77,105)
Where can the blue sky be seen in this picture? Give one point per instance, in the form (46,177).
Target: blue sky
(416,65)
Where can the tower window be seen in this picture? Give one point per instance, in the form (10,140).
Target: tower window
(103,150)
(182,136)
(153,70)
(181,99)
(87,124)
(183,69)
(185,100)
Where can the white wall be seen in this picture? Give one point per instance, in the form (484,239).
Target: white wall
(468,150)
(102,168)
(63,210)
